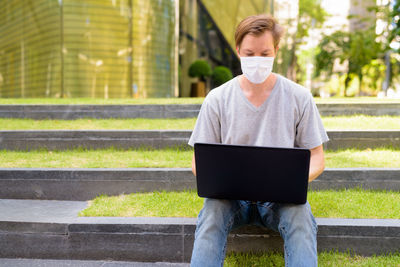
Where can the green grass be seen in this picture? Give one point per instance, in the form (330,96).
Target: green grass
(163,101)
(101,101)
(350,158)
(98,124)
(171,158)
(359,122)
(103,158)
(352,100)
(325,259)
(351,203)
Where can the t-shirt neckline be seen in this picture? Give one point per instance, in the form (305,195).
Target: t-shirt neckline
(254,108)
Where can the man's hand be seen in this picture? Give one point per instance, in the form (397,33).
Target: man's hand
(317,162)
(193,165)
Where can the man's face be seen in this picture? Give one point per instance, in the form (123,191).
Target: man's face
(262,45)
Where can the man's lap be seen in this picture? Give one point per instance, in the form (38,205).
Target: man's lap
(235,213)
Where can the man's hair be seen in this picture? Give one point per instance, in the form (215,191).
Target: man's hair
(257,25)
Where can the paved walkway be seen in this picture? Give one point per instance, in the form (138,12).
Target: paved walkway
(21,210)
(66,212)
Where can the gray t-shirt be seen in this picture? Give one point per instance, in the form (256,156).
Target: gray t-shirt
(288,118)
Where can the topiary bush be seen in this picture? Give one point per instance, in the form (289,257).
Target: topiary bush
(221,75)
(201,69)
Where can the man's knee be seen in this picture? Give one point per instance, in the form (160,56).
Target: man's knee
(214,219)
(298,218)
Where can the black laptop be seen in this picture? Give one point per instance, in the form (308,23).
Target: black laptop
(252,173)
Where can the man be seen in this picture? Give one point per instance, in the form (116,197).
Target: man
(263,109)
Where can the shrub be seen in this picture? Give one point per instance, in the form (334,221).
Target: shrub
(200,69)
(221,75)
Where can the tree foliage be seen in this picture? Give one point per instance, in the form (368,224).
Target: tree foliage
(395,22)
(311,14)
(359,48)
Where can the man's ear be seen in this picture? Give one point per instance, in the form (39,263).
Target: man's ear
(237,51)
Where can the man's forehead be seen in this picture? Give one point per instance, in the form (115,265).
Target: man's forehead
(265,50)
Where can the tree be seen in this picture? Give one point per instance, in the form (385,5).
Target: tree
(388,32)
(394,20)
(359,48)
(311,14)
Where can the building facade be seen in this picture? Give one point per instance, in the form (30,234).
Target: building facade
(91,48)
(118,48)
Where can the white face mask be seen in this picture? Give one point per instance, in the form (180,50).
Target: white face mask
(256,69)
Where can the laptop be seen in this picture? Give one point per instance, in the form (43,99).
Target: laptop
(254,173)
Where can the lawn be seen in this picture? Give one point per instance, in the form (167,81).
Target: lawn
(325,259)
(355,122)
(352,100)
(164,101)
(99,124)
(350,203)
(172,158)
(101,101)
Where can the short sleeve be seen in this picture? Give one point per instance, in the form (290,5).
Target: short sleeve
(310,131)
(208,126)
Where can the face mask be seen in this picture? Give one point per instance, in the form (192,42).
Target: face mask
(256,69)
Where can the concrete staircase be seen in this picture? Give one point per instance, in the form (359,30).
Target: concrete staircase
(68,112)
(39,207)
(49,229)
(129,139)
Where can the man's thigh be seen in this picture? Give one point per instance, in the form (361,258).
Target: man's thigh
(232,213)
(295,216)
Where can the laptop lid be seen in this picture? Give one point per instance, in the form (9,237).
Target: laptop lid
(252,173)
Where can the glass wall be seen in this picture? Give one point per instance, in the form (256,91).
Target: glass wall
(91,48)
(30,58)
(207,31)
(120,48)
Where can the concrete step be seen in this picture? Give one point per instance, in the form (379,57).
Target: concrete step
(85,184)
(69,112)
(51,230)
(93,139)
(130,139)
(83,263)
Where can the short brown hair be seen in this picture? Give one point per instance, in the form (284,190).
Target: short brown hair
(257,25)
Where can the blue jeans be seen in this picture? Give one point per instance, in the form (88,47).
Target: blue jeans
(295,223)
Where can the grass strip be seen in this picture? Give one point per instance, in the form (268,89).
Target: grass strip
(102,158)
(165,101)
(325,259)
(355,122)
(367,158)
(99,124)
(361,122)
(355,100)
(172,158)
(102,101)
(350,203)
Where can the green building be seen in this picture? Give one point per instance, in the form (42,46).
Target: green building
(114,48)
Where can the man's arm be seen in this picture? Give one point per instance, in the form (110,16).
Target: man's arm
(317,162)
(193,165)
